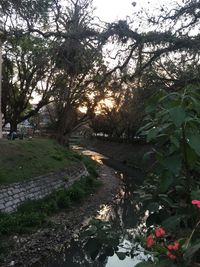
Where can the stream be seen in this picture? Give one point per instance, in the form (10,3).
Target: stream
(107,239)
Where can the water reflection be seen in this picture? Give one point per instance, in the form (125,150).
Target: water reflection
(108,240)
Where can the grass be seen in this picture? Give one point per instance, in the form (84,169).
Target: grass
(25,159)
(37,157)
(35,213)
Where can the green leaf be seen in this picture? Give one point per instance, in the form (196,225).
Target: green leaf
(148,155)
(196,104)
(192,157)
(92,230)
(173,164)
(153,206)
(171,95)
(192,250)
(152,133)
(181,189)
(109,251)
(121,255)
(145,197)
(150,108)
(157,218)
(195,194)
(175,141)
(92,245)
(146,127)
(177,115)
(172,222)
(194,142)
(166,200)
(166,181)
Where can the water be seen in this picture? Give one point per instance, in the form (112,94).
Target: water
(108,239)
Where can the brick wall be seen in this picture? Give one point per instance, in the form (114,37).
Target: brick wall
(14,195)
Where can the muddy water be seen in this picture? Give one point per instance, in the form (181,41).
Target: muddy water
(110,234)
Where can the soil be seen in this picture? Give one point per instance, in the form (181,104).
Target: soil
(30,249)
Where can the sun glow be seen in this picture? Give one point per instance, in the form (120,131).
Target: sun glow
(107,103)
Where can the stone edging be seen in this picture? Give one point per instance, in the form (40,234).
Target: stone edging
(15,194)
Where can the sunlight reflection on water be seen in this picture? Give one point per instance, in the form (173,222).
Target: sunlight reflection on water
(122,214)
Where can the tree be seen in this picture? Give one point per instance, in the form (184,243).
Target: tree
(76,53)
(27,72)
(81,74)
(80,68)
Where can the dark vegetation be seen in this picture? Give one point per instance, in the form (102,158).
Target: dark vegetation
(72,70)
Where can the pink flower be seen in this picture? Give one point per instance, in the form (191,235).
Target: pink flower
(170,247)
(150,241)
(175,246)
(171,256)
(196,202)
(159,232)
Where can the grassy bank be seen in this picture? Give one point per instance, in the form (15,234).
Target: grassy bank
(36,157)
(34,214)
(25,159)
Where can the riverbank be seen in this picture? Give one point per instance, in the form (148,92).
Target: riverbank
(22,160)
(28,249)
(131,155)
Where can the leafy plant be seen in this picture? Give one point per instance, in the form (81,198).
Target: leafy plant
(172,126)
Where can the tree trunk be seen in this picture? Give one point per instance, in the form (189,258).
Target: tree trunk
(66,123)
(1,134)
(13,126)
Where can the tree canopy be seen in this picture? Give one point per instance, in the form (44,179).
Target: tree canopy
(58,51)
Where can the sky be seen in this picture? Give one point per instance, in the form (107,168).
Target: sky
(111,10)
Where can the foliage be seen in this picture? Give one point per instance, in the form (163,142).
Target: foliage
(172,124)
(71,50)
(27,70)
(122,119)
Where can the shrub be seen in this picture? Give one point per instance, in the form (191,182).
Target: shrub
(172,124)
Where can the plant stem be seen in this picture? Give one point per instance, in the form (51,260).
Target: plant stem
(187,172)
(190,237)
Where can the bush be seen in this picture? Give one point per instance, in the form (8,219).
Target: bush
(172,124)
